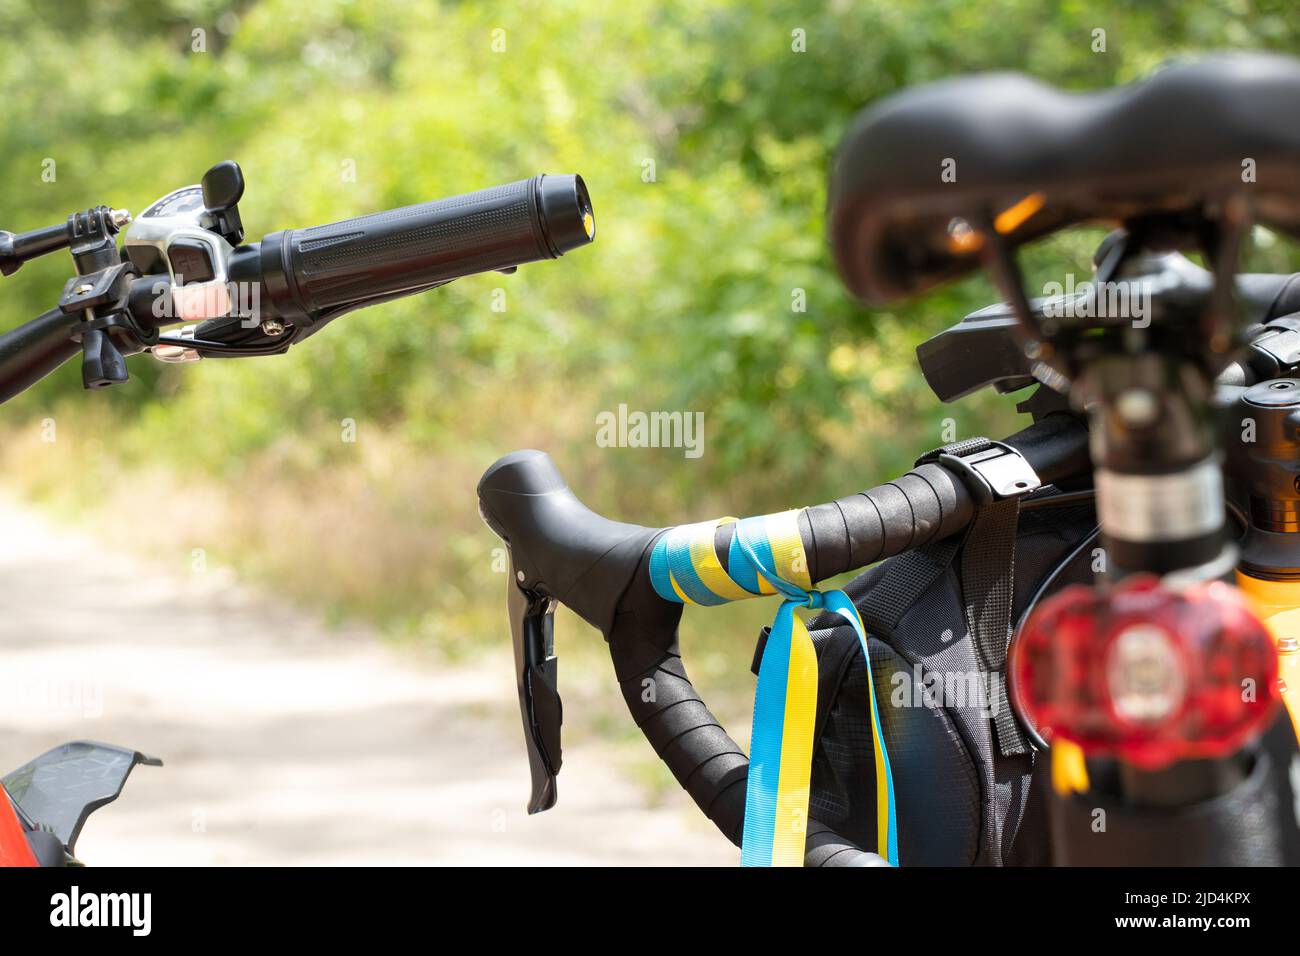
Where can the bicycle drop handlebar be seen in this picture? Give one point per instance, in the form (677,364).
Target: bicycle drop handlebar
(562,551)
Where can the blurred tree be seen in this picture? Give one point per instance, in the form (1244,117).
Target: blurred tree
(705,130)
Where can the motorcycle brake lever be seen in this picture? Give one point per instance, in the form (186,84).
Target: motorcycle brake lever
(532,632)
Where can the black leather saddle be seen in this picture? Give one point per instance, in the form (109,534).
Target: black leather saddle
(925,177)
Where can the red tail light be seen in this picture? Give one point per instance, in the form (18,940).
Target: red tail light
(1146,673)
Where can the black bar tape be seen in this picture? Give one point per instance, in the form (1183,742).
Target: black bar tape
(926,504)
(703,758)
(827,848)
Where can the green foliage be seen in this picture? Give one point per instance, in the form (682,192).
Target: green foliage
(684,301)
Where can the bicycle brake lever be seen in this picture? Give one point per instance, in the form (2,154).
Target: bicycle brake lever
(532,631)
(559,551)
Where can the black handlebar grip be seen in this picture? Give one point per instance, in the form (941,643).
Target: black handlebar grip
(308,272)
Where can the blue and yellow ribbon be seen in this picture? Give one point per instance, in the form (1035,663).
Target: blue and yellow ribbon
(766,556)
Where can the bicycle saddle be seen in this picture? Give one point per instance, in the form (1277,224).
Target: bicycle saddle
(926,175)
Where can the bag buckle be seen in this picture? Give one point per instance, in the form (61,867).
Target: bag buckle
(992,473)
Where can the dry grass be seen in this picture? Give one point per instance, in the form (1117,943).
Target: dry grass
(386,533)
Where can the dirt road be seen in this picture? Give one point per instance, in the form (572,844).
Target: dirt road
(284,741)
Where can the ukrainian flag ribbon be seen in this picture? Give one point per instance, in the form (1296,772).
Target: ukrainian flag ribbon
(766,557)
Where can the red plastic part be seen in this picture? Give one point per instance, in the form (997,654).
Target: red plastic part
(14,849)
(1145,673)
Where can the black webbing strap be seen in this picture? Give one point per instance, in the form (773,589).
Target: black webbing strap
(988,567)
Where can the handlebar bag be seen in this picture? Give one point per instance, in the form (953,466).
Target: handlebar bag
(960,800)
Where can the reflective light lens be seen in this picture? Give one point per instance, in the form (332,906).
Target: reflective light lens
(1146,673)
